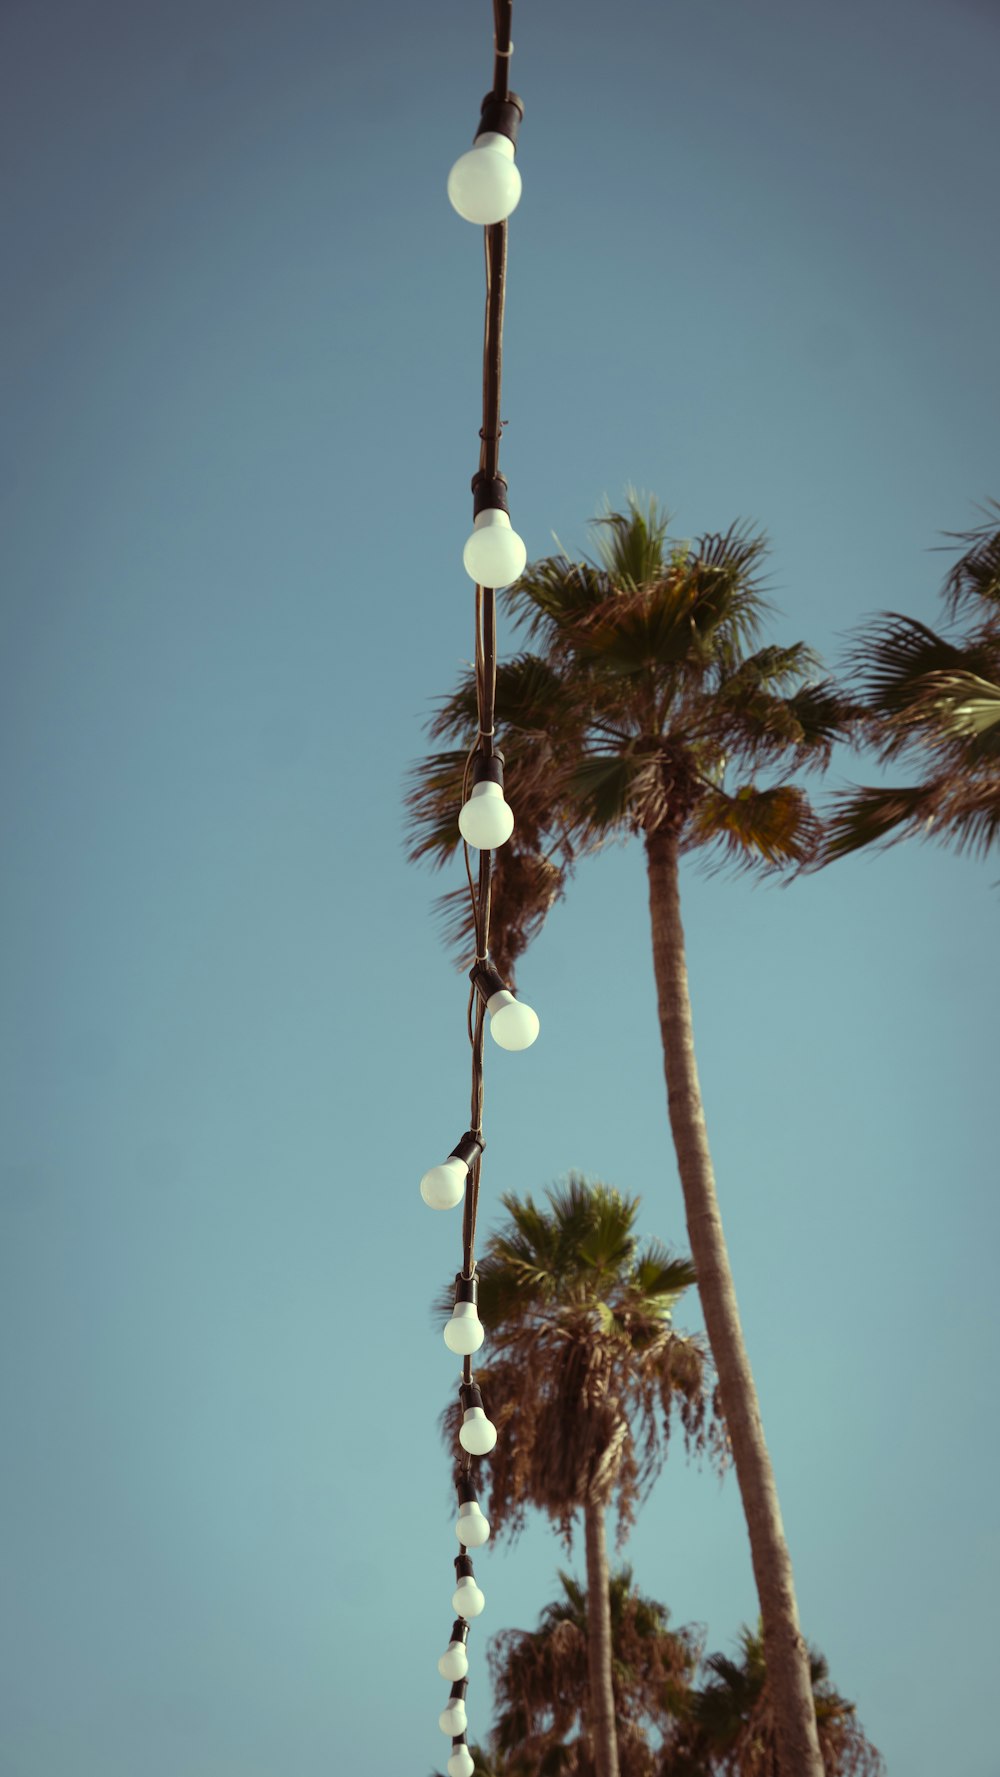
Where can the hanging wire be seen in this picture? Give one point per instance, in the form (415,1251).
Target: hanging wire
(495,251)
(503,48)
(495,247)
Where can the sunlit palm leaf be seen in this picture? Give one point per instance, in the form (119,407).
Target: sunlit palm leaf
(758,828)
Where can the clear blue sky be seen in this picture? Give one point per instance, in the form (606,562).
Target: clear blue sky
(754,271)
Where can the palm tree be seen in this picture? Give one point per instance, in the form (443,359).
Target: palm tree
(934,703)
(583,1384)
(728,1727)
(647,695)
(541,1680)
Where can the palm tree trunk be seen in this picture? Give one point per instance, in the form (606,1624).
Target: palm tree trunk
(785,1650)
(602,1700)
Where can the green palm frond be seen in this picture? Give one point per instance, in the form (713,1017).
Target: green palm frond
(634,544)
(659,1275)
(763,829)
(553,592)
(901,666)
(935,702)
(825,715)
(607,789)
(530,696)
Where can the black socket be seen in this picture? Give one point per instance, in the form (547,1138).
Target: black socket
(489,493)
(468,1148)
(486,980)
(502,117)
(466,1289)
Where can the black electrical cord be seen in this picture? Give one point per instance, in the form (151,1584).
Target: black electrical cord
(502,47)
(495,248)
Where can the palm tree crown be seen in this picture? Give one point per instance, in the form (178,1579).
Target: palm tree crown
(646,704)
(933,702)
(586,1369)
(541,1680)
(727,1726)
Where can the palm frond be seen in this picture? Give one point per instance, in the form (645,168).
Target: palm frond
(553,592)
(958,702)
(526,885)
(659,1273)
(764,829)
(633,548)
(432,804)
(867,816)
(975,578)
(607,788)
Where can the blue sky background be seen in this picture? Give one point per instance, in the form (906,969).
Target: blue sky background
(755,271)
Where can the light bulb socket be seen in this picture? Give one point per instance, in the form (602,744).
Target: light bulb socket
(457,1740)
(459,1631)
(501,117)
(466,1288)
(489,494)
(463,1568)
(468,1149)
(470,1396)
(467,1495)
(487,981)
(488,768)
(458,1690)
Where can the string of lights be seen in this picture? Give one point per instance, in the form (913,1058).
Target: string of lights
(484,186)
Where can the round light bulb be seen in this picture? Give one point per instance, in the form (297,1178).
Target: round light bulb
(472,1528)
(453,1720)
(461,1763)
(464,1332)
(468,1600)
(512,1024)
(454,1662)
(478,1434)
(487,819)
(494,554)
(484,185)
(444,1185)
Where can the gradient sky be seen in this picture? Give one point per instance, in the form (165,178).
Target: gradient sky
(755,271)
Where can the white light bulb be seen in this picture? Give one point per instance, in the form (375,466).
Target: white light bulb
(487,819)
(444,1186)
(461,1763)
(454,1662)
(468,1600)
(484,185)
(512,1024)
(453,1720)
(478,1434)
(472,1528)
(464,1332)
(494,554)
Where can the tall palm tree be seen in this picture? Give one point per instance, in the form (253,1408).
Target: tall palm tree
(728,1727)
(586,1373)
(933,702)
(541,1680)
(648,708)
